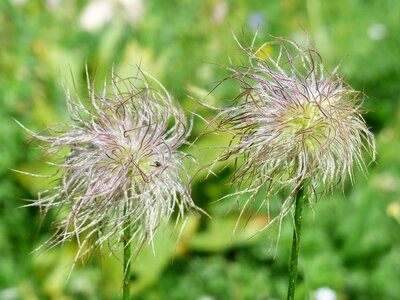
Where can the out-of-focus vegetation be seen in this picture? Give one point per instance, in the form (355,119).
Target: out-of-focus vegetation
(351,241)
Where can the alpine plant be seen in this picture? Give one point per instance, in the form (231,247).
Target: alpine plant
(293,125)
(119,164)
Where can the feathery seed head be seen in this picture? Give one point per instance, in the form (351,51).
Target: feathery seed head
(123,164)
(292,122)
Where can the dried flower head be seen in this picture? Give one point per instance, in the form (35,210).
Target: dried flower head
(293,123)
(122,165)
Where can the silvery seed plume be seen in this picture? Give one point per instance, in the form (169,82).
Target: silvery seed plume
(292,124)
(122,165)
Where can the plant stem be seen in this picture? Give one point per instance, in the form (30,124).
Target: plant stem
(298,218)
(127,261)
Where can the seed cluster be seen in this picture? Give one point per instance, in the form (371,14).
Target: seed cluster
(120,164)
(292,123)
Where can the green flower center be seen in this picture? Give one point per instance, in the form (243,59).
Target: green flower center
(307,125)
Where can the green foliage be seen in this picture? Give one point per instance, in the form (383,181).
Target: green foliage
(351,240)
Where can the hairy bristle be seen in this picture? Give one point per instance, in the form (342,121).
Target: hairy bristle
(292,123)
(122,165)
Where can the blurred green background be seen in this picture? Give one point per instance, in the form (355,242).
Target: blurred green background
(351,241)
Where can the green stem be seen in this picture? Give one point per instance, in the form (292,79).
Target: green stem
(127,261)
(298,218)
